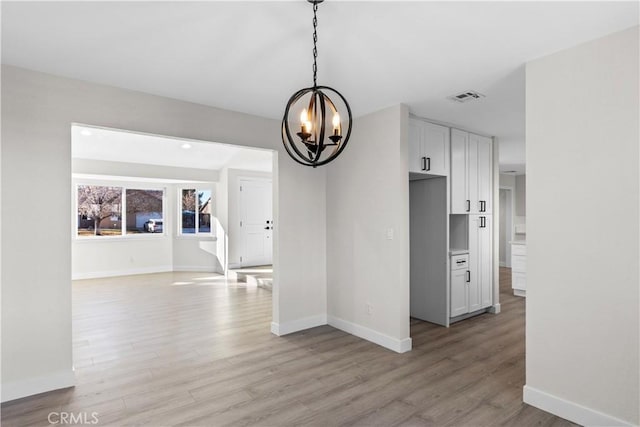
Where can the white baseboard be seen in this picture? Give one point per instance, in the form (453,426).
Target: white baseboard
(18,389)
(128,272)
(502,264)
(519,293)
(195,269)
(281,329)
(399,346)
(571,411)
(494,309)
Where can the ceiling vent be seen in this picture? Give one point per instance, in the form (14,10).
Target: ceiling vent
(467,96)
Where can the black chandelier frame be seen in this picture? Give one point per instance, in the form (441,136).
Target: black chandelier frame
(307,151)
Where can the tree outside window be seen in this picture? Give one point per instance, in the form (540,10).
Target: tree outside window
(196,211)
(99,210)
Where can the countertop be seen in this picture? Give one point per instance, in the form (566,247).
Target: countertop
(454,252)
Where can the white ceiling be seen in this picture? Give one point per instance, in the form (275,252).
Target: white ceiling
(251,56)
(118,146)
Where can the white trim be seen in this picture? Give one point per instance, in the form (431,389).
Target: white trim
(399,346)
(494,309)
(519,293)
(281,329)
(571,411)
(129,272)
(503,264)
(18,389)
(196,268)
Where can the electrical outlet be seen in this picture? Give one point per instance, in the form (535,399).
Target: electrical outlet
(368,308)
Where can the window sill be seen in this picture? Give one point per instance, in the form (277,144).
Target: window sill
(131,238)
(207,237)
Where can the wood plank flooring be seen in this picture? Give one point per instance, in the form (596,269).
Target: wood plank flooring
(191,349)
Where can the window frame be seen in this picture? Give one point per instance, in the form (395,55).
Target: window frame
(196,233)
(123,211)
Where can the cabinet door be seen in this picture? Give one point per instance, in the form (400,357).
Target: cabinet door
(485,177)
(485,272)
(472,173)
(436,148)
(459,204)
(459,302)
(415,146)
(475,297)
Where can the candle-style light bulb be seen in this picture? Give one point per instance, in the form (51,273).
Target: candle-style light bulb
(336,124)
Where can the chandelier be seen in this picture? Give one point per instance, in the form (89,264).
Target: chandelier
(312,128)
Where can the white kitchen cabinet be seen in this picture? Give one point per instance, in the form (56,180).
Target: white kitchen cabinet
(480,262)
(428,148)
(460,274)
(471,285)
(471,173)
(519,268)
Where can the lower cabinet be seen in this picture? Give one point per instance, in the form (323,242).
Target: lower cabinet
(459,285)
(519,269)
(472,287)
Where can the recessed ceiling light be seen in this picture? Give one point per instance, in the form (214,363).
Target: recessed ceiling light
(85,132)
(186,146)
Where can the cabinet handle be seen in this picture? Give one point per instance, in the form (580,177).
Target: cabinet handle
(424,163)
(468,276)
(428,163)
(483,222)
(468,205)
(483,206)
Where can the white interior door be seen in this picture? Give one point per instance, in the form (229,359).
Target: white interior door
(256,222)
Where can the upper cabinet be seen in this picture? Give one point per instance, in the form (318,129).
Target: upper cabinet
(471,173)
(428,148)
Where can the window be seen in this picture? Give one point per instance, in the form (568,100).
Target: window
(195,211)
(144,211)
(100,211)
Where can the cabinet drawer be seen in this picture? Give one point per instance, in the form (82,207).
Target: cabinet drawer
(519,281)
(460,262)
(518,250)
(518,263)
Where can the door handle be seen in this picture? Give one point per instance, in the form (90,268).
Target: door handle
(468,276)
(424,163)
(428,163)
(468,205)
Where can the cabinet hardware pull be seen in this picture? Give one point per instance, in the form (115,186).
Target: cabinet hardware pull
(460,262)
(424,163)
(468,205)
(468,276)
(428,163)
(483,222)
(483,205)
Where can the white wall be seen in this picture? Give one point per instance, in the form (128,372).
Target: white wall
(582,215)
(521,195)
(116,256)
(37,113)
(368,195)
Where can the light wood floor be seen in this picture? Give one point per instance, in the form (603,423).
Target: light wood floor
(188,349)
